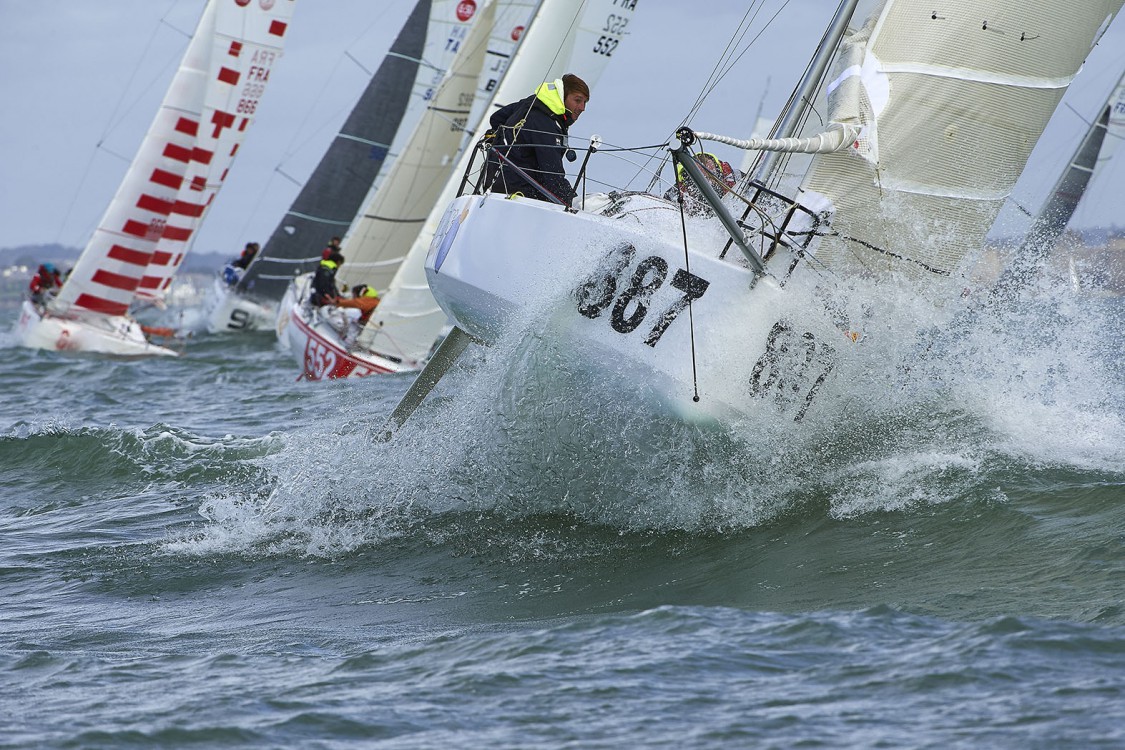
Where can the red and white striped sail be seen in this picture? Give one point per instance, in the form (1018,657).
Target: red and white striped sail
(142,238)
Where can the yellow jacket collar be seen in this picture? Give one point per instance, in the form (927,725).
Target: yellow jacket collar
(551,94)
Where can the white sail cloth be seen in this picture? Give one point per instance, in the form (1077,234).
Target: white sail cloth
(950,98)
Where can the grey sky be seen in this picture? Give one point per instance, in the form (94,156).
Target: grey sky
(76,73)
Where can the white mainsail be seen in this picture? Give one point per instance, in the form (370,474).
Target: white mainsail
(175,174)
(562,38)
(244,49)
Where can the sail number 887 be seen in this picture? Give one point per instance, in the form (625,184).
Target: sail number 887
(628,296)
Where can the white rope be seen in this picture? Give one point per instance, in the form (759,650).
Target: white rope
(837,138)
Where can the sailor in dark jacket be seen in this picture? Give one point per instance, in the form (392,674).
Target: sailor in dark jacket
(532,134)
(324,281)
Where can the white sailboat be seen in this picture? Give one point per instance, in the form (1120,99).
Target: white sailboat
(180,166)
(561,36)
(1097,269)
(1088,163)
(932,114)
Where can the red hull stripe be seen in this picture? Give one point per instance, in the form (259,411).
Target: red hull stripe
(154,204)
(127,255)
(277,28)
(183,208)
(105,306)
(167,179)
(177,234)
(345,364)
(190,127)
(115,280)
(177,153)
(226,75)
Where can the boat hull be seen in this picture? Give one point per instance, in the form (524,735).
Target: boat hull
(231,312)
(699,332)
(314,339)
(114,335)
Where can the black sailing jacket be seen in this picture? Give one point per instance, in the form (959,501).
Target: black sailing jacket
(536,147)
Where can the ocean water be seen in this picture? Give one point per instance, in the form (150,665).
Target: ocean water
(206,552)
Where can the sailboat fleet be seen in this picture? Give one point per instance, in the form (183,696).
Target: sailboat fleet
(907,133)
(144,234)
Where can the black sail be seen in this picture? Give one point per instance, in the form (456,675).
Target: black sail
(335,191)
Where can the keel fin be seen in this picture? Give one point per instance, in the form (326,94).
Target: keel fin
(444,358)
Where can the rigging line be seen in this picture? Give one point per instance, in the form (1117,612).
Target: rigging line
(888,253)
(691,318)
(116,117)
(749,44)
(710,86)
(718,65)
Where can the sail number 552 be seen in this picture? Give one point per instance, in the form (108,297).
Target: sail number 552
(629,307)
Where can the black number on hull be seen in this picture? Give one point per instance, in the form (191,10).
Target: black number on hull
(239,319)
(595,295)
(639,292)
(787,365)
(693,288)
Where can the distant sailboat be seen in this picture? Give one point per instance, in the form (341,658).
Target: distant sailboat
(334,192)
(1087,163)
(180,166)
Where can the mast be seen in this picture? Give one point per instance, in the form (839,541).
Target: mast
(789,122)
